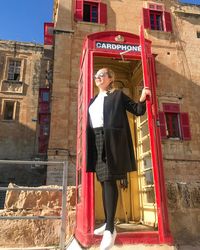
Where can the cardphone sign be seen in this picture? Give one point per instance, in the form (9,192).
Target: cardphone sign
(117,46)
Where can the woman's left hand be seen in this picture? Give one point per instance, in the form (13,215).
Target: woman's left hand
(145,92)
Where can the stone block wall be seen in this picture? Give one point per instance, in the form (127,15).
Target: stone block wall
(35,233)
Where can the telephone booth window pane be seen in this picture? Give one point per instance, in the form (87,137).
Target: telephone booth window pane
(148,177)
(150,195)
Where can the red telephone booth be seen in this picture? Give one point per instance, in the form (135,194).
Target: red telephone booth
(145,218)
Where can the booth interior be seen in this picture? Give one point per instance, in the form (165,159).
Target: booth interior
(136,209)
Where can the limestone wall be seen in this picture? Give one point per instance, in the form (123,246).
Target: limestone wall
(30,233)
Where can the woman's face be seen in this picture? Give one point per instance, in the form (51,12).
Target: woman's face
(102,80)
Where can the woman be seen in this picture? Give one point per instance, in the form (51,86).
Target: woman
(109,144)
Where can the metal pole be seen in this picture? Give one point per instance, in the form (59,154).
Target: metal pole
(31,162)
(30,217)
(64,207)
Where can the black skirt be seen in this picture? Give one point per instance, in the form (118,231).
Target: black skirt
(102,171)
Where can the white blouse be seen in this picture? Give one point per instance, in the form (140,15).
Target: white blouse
(96,110)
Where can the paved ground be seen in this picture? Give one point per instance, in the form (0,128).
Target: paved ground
(75,246)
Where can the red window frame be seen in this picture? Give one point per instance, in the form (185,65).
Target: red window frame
(173,123)
(91,18)
(155,25)
(48,33)
(102,10)
(42,93)
(165,16)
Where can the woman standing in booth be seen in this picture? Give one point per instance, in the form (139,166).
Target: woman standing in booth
(109,145)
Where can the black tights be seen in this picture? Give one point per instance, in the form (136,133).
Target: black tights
(110,197)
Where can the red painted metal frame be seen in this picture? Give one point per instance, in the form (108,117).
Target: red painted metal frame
(85,208)
(155,142)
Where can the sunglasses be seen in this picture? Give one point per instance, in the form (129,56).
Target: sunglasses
(96,76)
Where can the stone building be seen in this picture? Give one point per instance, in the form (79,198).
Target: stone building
(23,70)
(174,30)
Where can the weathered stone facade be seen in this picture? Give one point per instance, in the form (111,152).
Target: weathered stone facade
(18,135)
(178,81)
(23,68)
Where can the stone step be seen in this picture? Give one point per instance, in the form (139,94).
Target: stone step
(138,247)
(74,245)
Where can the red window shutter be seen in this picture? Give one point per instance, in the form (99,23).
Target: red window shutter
(185,126)
(167,21)
(146,19)
(78,10)
(171,107)
(48,33)
(102,13)
(162,125)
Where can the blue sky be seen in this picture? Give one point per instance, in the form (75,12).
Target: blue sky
(23,20)
(191,1)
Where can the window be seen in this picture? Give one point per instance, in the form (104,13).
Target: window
(44,130)
(48,33)
(44,95)
(91,11)
(156,22)
(14,69)
(155,18)
(8,113)
(198,34)
(10,110)
(173,123)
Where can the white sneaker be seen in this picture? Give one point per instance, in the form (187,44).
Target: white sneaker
(108,240)
(100,230)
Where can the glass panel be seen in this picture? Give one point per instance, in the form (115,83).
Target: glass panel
(10,76)
(144,130)
(152,21)
(159,22)
(148,177)
(45,129)
(94,14)
(156,20)
(148,195)
(147,163)
(172,125)
(45,96)
(14,70)
(86,13)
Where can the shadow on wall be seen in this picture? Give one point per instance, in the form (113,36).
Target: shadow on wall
(18,142)
(182,176)
(112,15)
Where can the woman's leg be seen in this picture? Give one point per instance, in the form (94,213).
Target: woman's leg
(104,201)
(110,193)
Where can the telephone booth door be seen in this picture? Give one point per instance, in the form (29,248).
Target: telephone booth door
(142,212)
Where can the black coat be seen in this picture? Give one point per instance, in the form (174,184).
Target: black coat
(118,141)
